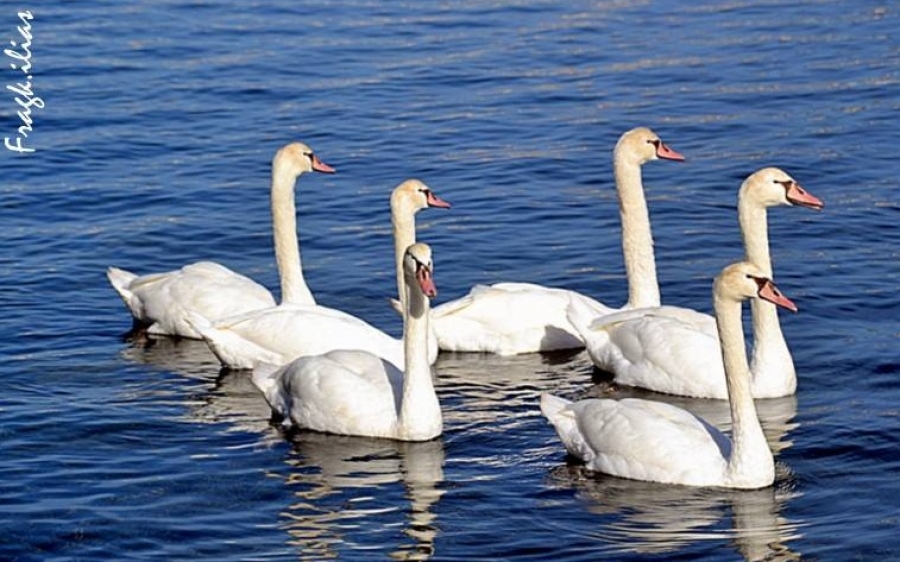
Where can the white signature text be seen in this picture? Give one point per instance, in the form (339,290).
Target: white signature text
(20,53)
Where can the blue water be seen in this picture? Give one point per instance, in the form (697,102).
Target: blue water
(153,151)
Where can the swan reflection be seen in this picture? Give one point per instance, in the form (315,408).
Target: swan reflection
(220,396)
(650,518)
(494,393)
(344,487)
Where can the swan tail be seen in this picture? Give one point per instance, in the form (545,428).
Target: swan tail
(267,378)
(552,406)
(121,281)
(232,350)
(579,316)
(565,421)
(395,304)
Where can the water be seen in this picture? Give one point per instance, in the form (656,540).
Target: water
(153,151)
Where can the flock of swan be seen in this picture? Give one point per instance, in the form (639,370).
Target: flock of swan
(326,370)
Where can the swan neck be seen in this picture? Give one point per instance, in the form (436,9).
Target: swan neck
(771,364)
(750,451)
(637,238)
(403,221)
(420,413)
(287,245)
(754,225)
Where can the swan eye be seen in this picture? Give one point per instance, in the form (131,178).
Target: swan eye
(654,142)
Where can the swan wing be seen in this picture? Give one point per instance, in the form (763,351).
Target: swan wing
(346,392)
(666,349)
(508,318)
(648,440)
(281,334)
(161,300)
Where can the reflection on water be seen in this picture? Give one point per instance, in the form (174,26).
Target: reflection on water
(484,390)
(190,358)
(220,397)
(650,518)
(344,488)
(351,493)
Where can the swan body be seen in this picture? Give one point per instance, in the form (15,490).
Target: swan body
(351,392)
(158,301)
(161,302)
(282,333)
(676,350)
(655,441)
(513,318)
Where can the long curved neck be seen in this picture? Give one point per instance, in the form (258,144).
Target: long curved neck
(287,246)
(772,364)
(403,220)
(753,220)
(751,460)
(420,413)
(637,238)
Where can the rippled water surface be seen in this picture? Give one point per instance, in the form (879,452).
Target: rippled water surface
(154,148)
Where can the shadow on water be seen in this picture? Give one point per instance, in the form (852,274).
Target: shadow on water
(344,495)
(650,518)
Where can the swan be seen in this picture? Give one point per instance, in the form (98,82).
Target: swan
(513,318)
(675,350)
(655,441)
(159,301)
(280,334)
(407,199)
(351,392)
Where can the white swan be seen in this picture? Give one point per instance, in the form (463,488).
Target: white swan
(676,350)
(655,441)
(351,392)
(407,199)
(280,334)
(160,301)
(512,318)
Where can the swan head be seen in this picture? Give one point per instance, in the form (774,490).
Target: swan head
(743,280)
(773,186)
(298,158)
(413,195)
(419,268)
(641,145)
